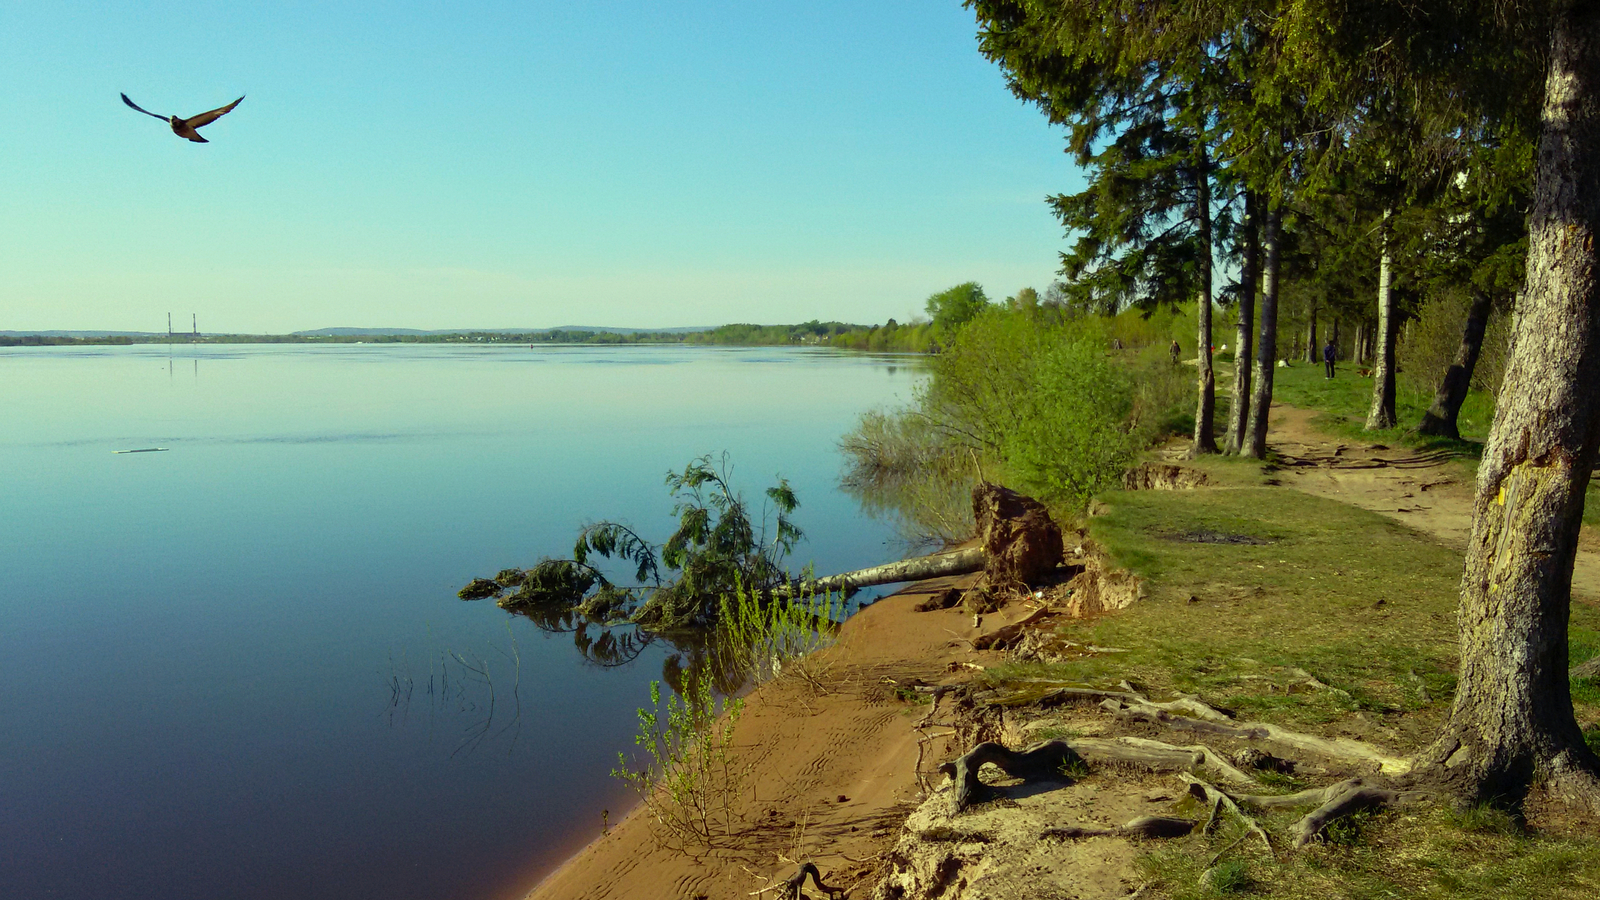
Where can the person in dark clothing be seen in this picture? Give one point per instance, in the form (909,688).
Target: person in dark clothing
(1327,358)
(1175,351)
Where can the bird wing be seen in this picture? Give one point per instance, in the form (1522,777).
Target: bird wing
(143,110)
(206,118)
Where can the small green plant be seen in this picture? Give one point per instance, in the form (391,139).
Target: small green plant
(687,777)
(756,639)
(1482,818)
(1229,876)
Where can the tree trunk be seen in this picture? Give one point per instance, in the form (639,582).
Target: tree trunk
(1440,419)
(1381,414)
(1311,338)
(1335,338)
(955,562)
(1512,722)
(1205,408)
(1239,411)
(1267,351)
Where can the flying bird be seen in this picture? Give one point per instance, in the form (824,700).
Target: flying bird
(185,128)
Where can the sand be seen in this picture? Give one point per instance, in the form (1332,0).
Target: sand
(832,757)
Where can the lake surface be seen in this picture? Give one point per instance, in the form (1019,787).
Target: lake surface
(239,669)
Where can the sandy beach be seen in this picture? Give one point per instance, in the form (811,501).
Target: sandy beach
(832,764)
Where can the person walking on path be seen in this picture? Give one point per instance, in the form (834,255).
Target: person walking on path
(1327,357)
(1176,351)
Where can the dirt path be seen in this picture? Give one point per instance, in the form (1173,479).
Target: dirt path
(1431,492)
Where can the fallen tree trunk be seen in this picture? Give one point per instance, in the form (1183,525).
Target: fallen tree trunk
(955,562)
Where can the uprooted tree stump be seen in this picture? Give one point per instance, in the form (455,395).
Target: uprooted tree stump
(1022,544)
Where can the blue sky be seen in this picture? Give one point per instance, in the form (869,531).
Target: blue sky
(532,164)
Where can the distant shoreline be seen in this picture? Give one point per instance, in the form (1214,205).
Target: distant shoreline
(891,337)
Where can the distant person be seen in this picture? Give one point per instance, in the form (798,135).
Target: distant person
(1176,352)
(1327,357)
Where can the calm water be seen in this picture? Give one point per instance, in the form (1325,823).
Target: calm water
(238,668)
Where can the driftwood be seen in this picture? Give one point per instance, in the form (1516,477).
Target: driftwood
(1143,827)
(955,562)
(1041,761)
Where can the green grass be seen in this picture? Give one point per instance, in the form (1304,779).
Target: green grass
(1435,853)
(1262,617)
(1306,601)
(1348,396)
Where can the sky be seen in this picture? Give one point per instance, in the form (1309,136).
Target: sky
(518,164)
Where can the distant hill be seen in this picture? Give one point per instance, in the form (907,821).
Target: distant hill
(345,331)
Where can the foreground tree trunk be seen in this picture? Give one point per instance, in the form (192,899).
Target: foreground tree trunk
(1206,405)
(1267,351)
(1512,721)
(1381,415)
(1440,419)
(1239,411)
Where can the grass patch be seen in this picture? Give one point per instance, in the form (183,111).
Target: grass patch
(1347,397)
(1434,854)
(1332,595)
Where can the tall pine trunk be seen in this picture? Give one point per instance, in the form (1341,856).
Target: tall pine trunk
(1440,419)
(1381,414)
(1512,722)
(1205,406)
(1311,337)
(1267,348)
(1239,410)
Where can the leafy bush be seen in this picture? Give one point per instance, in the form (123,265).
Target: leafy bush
(1034,401)
(900,468)
(1074,439)
(687,778)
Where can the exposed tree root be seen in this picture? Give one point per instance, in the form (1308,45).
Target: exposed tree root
(1040,761)
(1213,721)
(792,888)
(1147,827)
(1218,800)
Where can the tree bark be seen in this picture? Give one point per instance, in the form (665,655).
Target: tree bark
(1440,419)
(1205,406)
(955,562)
(1239,411)
(1311,337)
(1381,414)
(1512,721)
(1267,349)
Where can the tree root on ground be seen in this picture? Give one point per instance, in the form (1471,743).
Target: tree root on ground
(1213,721)
(1147,827)
(793,885)
(1044,760)
(1218,800)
